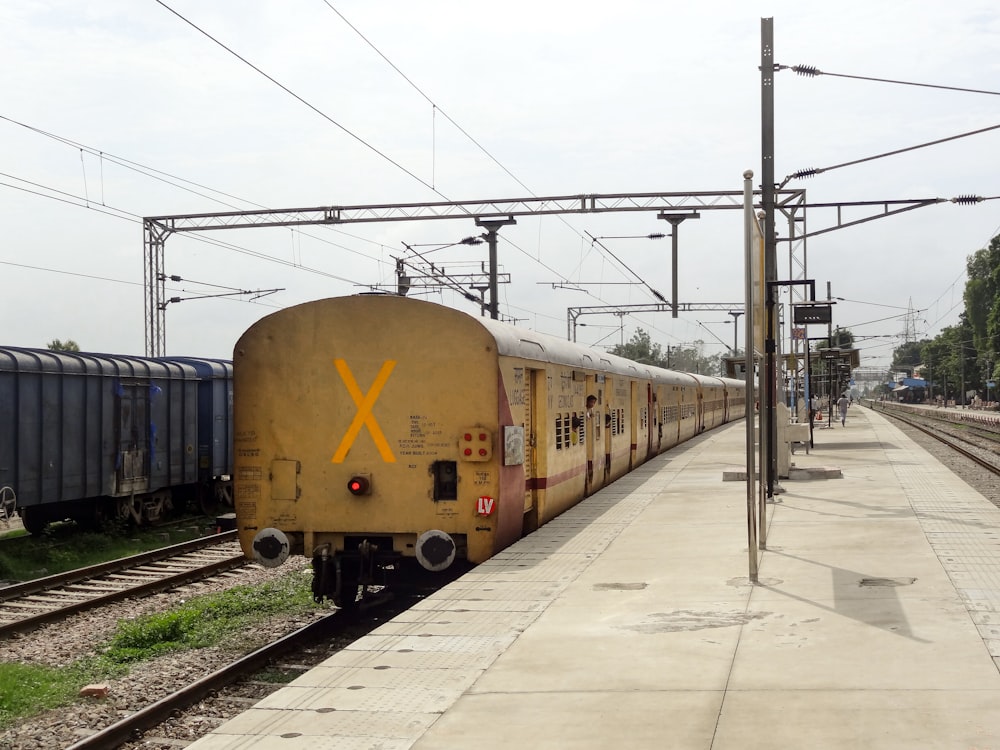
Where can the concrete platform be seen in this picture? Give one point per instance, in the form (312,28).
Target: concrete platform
(630,621)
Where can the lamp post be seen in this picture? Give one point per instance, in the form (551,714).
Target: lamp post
(736,315)
(831,357)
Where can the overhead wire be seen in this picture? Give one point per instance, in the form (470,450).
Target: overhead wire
(182,183)
(74,200)
(156,173)
(810,71)
(308,104)
(437,109)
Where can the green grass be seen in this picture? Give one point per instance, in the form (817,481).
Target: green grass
(64,547)
(29,689)
(210,620)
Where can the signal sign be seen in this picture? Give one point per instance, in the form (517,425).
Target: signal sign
(805,314)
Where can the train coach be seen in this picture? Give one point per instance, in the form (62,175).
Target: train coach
(102,437)
(375,430)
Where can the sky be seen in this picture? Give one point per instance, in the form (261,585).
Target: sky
(117,110)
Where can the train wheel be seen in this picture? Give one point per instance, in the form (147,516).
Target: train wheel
(8,504)
(224,493)
(33,519)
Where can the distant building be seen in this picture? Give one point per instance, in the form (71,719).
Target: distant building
(909,390)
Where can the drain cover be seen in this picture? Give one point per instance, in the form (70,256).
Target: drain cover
(886,581)
(619,586)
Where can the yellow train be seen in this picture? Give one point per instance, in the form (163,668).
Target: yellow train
(373,430)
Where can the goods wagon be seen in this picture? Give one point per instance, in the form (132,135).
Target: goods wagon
(93,437)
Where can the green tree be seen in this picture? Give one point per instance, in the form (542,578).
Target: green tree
(640,348)
(842,338)
(684,358)
(950,361)
(982,298)
(691,358)
(69,345)
(909,355)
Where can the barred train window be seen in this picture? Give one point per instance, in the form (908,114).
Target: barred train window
(566,430)
(582,429)
(558,432)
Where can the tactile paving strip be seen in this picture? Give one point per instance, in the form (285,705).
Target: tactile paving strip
(963,529)
(386,688)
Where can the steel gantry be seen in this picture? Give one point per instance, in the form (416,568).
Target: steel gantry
(573,313)
(790,203)
(157,229)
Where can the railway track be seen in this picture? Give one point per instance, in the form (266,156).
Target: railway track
(938,429)
(155,714)
(216,694)
(25,606)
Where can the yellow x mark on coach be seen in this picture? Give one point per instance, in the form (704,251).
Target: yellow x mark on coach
(364,416)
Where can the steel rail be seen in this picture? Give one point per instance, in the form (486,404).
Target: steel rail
(156,713)
(993,468)
(18,590)
(162,581)
(143,589)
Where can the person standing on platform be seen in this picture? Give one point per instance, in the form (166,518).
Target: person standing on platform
(842,405)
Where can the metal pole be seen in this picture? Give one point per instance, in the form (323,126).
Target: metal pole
(767,398)
(491,226)
(154,239)
(736,316)
(748,363)
(829,377)
(675,221)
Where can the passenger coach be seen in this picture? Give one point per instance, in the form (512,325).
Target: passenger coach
(374,429)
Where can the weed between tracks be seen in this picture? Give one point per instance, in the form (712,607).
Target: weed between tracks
(225,618)
(64,546)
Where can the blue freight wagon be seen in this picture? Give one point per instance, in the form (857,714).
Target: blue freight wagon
(93,437)
(215,427)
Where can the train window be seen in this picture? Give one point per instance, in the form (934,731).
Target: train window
(566,430)
(582,428)
(559,422)
(445,480)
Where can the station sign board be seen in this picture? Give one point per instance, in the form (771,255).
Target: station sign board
(804,314)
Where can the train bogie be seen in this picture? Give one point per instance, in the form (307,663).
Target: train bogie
(372,431)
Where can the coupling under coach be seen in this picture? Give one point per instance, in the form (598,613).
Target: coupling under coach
(375,430)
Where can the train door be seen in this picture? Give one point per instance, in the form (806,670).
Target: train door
(532,379)
(592,431)
(651,419)
(132,463)
(610,423)
(636,421)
